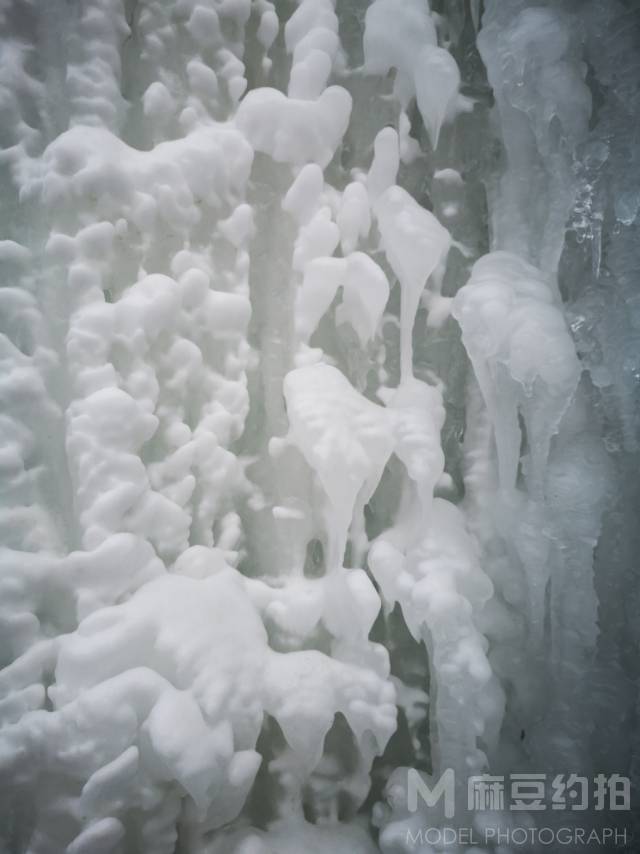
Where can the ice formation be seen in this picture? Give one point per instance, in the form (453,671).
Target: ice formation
(320,393)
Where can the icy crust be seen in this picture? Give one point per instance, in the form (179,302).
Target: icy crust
(92,168)
(522,353)
(404,37)
(295,131)
(141,665)
(207,383)
(439,584)
(364,296)
(108,426)
(546,642)
(293,837)
(429,564)
(345,438)
(527,370)
(29,416)
(141,706)
(536,69)
(601,260)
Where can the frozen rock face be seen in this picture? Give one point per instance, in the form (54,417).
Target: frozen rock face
(318,327)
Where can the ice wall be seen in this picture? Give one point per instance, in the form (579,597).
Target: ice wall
(319,404)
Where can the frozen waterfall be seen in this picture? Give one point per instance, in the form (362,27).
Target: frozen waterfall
(320,426)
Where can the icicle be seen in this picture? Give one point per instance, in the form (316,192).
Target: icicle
(416,246)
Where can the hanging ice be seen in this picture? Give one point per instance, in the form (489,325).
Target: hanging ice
(319,387)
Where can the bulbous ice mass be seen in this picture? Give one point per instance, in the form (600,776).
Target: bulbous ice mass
(320,418)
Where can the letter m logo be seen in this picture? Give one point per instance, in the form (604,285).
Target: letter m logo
(417,787)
